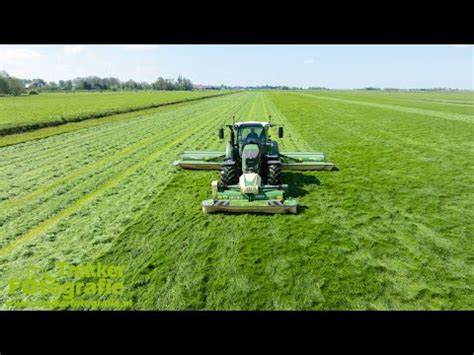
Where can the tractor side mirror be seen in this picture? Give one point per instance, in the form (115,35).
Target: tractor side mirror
(221,133)
(280,132)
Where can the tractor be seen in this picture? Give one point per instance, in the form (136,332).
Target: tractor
(251,170)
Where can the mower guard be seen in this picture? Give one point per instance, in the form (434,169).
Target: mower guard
(201,160)
(305,161)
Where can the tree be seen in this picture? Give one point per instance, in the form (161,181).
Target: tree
(145,86)
(37,83)
(188,85)
(183,84)
(130,85)
(159,84)
(114,83)
(3,82)
(179,83)
(10,85)
(78,84)
(3,85)
(15,86)
(52,86)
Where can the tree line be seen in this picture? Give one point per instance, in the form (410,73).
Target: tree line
(96,83)
(13,86)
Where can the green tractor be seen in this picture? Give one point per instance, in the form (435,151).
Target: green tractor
(251,170)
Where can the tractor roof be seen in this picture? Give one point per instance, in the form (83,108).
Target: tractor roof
(251,123)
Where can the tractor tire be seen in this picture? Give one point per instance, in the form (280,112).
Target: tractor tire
(274,174)
(263,174)
(229,175)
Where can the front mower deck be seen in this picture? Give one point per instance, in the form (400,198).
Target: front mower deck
(244,206)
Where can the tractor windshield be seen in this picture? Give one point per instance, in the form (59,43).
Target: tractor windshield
(254,134)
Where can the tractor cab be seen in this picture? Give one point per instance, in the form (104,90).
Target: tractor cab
(251,132)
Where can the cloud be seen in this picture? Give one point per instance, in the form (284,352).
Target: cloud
(310,61)
(74,48)
(62,66)
(138,47)
(20,54)
(461,45)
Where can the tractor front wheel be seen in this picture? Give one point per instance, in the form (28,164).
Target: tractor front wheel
(274,174)
(229,175)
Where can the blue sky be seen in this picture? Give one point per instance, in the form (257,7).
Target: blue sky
(333,66)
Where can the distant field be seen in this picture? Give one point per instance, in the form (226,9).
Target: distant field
(35,111)
(393,229)
(450,102)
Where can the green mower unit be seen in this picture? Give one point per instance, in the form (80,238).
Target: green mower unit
(251,170)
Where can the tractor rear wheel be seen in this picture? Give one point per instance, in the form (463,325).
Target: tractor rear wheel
(274,174)
(229,175)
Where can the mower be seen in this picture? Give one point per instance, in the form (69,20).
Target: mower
(251,170)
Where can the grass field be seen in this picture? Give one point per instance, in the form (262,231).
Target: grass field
(391,230)
(32,112)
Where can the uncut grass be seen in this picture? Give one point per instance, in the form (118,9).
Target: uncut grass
(394,106)
(454,102)
(33,112)
(15,139)
(391,230)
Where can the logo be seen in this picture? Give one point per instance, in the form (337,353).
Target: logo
(84,284)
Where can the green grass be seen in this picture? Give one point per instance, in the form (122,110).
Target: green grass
(49,109)
(391,230)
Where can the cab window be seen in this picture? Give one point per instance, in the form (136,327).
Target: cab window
(255,132)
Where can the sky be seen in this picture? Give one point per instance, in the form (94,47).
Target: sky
(332,66)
